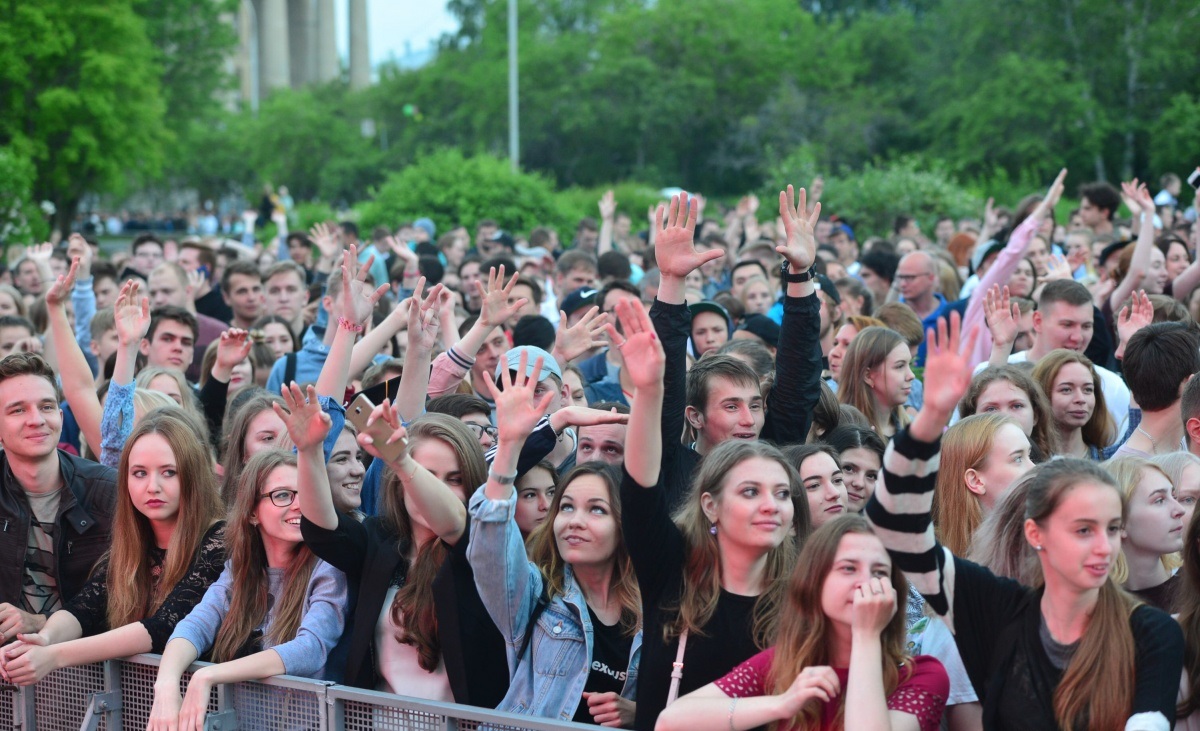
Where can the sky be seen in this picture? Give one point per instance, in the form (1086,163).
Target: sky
(393,23)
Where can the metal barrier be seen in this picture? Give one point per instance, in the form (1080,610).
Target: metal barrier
(119,694)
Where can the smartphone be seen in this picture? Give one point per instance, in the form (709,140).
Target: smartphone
(360,409)
(202,270)
(1194,178)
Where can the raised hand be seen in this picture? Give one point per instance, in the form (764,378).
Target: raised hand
(1137,197)
(947,372)
(801,247)
(40,253)
(814,683)
(386,412)
(1001,315)
(423,323)
(874,607)
(640,348)
(358,300)
(516,411)
(60,291)
(674,245)
(991,221)
(233,348)
(325,237)
(307,423)
(576,340)
(132,314)
(1052,195)
(494,309)
(78,248)
(1057,268)
(608,206)
(1138,314)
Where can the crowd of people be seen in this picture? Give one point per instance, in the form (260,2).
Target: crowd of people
(688,478)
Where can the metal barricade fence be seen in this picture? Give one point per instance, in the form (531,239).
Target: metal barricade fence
(118,696)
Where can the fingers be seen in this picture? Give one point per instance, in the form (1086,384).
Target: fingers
(614,337)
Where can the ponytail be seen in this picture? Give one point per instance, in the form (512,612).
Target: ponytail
(1096,689)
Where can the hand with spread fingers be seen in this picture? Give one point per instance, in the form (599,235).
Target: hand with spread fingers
(517,412)
(577,340)
(799,225)
(358,299)
(386,412)
(494,309)
(641,351)
(307,423)
(674,241)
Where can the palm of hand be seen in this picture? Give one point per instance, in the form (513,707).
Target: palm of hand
(947,377)
(676,253)
(801,244)
(493,311)
(644,359)
(130,324)
(307,426)
(516,413)
(360,305)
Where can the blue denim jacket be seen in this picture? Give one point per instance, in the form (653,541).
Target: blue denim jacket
(548,680)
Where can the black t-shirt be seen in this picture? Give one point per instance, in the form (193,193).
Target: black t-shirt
(657,551)
(610,663)
(213,305)
(1164,596)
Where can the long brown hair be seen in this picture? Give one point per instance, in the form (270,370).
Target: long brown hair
(1099,429)
(957,512)
(702,565)
(1097,685)
(413,608)
(1044,438)
(804,633)
(133,593)
(1188,601)
(543,547)
(233,439)
(868,351)
(248,561)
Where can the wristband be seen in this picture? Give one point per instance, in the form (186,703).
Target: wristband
(786,274)
(413,273)
(349,325)
(502,479)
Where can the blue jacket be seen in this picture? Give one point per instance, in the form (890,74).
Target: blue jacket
(548,680)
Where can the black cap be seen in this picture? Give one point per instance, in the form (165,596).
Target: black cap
(826,286)
(533,330)
(762,327)
(713,307)
(577,300)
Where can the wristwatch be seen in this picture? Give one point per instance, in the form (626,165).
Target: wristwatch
(787,276)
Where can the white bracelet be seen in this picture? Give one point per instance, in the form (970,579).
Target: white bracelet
(732,705)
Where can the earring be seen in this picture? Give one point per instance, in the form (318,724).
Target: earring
(713,529)
(1037,548)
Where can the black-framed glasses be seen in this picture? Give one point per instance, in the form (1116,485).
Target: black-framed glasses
(481,429)
(280,498)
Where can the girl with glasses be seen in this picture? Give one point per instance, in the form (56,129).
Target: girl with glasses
(275,609)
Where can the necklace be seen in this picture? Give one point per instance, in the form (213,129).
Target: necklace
(1153,441)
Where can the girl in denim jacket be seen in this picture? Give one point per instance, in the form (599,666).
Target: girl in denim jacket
(570,612)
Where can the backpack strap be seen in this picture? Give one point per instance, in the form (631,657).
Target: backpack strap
(289,369)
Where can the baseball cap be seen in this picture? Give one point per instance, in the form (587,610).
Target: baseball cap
(713,307)
(577,300)
(762,327)
(426,224)
(512,361)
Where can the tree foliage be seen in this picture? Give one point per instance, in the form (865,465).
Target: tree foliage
(79,96)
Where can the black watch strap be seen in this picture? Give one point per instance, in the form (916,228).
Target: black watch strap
(786,274)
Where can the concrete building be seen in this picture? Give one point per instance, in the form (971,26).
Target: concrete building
(293,43)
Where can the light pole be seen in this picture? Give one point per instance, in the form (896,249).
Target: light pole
(514,130)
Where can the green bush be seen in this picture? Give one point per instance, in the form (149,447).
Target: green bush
(308,214)
(454,190)
(871,198)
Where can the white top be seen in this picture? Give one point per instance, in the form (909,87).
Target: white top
(1116,394)
(400,671)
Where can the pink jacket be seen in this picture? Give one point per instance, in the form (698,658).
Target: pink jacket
(1000,272)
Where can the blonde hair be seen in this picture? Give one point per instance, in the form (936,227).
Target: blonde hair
(1127,471)
(957,511)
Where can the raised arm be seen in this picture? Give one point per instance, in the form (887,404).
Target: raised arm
(516,415)
(422,315)
(1140,261)
(608,212)
(308,425)
(900,508)
(354,309)
(424,494)
(132,314)
(645,363)
(83,297)
(675,249)
(798,361)
(79,387)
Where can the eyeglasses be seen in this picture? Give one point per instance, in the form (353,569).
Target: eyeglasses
(280,498)
(481,429)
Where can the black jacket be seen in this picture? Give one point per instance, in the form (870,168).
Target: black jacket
(472,647)
(85,515)
(789,406)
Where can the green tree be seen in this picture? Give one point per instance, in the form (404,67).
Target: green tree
(79,96)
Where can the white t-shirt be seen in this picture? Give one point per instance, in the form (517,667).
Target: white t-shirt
(400,670)
(1116,394)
